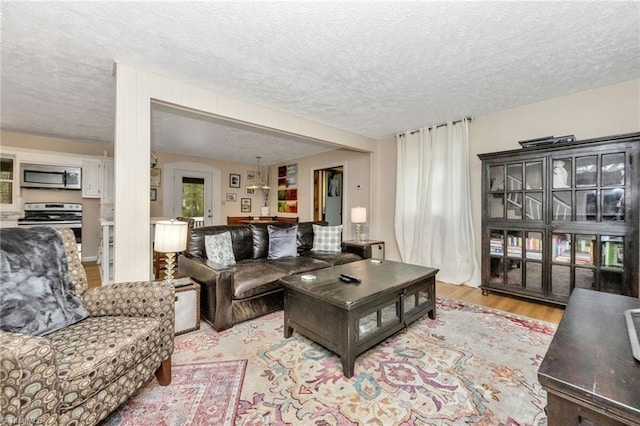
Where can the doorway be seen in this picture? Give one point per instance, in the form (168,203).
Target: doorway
(191,190)
(193,196)
(328,194)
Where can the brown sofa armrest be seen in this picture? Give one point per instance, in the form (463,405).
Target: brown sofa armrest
(29,380)
(216,288)
(137,299)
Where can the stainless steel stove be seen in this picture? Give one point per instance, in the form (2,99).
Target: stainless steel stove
(56,215)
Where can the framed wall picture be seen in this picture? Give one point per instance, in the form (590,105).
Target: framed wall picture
(245,205)
(234,180)
(251,176)
(232,197)
(251,191)
(154,194)
(155,177)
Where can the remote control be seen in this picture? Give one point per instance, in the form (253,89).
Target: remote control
(349,278)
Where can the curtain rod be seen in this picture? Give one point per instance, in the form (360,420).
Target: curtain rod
(439,125)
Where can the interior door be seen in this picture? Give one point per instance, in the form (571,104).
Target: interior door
(328,193)
(192,196)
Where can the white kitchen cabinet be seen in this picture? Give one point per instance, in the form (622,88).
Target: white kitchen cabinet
(108,184)
(92,177)
(9,183)
(8,223)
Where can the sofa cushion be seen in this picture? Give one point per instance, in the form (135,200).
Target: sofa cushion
(255,277)
(282,242)
(333,258)
(305,235)
(95,352)
(219,248)
(298,265)
(260,238)
(37,296)
(327,238)
(240,238)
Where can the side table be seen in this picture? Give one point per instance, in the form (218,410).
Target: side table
(187,306)
(366,248)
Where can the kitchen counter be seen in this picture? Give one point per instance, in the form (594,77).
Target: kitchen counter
(9,220)
(105,251)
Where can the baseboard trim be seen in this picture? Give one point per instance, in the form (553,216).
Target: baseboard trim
(89,258)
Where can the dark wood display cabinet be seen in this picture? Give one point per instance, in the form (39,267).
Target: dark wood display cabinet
(561,216)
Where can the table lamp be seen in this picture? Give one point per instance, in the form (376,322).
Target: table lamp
(359,216)
(170,238)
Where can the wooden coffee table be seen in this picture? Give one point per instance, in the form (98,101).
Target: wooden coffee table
(348,319)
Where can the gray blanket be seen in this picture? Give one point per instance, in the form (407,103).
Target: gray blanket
(36,293)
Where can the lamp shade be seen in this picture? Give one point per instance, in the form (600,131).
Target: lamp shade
(170,236)
(358,215)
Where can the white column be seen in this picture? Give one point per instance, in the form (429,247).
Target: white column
(132,257)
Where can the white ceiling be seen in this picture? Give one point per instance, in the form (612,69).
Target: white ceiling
(372,68)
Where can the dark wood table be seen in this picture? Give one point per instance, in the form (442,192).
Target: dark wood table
(347,318)
(589,372)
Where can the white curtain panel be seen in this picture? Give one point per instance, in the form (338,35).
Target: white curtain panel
(433,222)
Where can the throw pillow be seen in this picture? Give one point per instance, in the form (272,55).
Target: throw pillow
(327,238)
(283,242)
(260,235)
(37,296)
(219,248)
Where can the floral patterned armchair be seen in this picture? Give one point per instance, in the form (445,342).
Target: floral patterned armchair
(79,374)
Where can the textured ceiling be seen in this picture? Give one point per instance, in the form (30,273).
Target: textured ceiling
(372,68)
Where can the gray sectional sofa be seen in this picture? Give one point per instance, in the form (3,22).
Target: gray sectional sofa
(250,288)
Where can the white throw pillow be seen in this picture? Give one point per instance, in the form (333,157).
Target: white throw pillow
(219,248)
(327,238)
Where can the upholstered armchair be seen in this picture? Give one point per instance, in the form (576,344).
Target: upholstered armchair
(78,374)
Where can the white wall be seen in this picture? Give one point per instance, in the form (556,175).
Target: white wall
(608,110)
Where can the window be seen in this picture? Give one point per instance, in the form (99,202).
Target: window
(192,197)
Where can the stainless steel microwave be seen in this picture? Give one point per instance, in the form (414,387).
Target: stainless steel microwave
(50,176)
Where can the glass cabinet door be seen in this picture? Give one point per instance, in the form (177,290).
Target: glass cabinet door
(8,177)
(593,190)
(591,261)
(515,260)
(496,192)
(516,191)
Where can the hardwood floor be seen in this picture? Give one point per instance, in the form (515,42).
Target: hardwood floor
(537,310)
(540,311)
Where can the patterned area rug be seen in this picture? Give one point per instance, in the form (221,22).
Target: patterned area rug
(470,366)
(199,394)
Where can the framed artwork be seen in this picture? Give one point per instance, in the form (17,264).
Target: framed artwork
(288,188)
(245,205)
(251,191)
(154,195)
(155,177)
(232,197)
(234,180)
(251,176)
